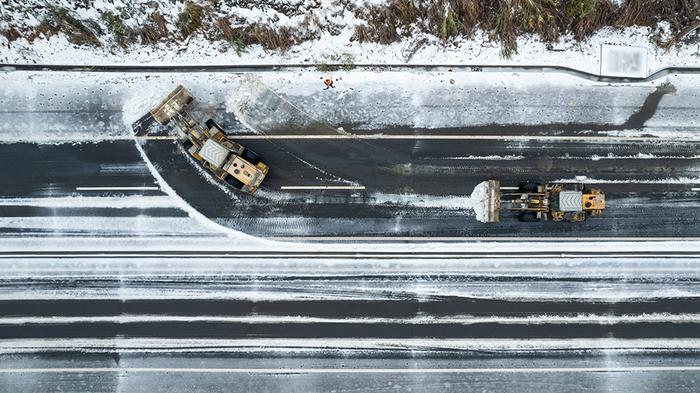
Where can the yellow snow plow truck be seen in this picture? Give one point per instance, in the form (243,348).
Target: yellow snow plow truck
(531,201)
(225,159)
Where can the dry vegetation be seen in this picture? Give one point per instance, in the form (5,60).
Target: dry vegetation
(502,20)
(506,20)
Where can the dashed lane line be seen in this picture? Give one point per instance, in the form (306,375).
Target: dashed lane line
(322,187)
(117,188)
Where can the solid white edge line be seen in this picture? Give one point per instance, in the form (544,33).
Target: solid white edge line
(483,239)
(354,254)
(349,370)
(117,188)
(322,187)
(467,137)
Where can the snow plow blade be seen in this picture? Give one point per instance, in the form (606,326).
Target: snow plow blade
(141,125)
(493,201)
(172,106)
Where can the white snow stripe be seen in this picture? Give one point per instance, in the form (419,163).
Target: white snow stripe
(464,320)
(349,370)
(92,202)
(355,343)
(485,158)
(639,156)
(586,180)
(192,212)
(345,255)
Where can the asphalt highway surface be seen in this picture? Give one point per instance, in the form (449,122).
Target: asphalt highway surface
(108,324)
(424,193)
(121,272)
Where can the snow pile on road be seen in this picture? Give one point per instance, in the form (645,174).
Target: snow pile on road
(139,101)
(480,201)
(668,180)
(261,108)
(102,202)
(93,107)
(423,201)
(191,211)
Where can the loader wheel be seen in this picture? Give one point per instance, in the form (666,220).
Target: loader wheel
(528,217)
(528,186)
(251,156)
(187,144)
(211,123)
(233,182)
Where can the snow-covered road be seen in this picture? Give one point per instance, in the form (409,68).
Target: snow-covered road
(122,250)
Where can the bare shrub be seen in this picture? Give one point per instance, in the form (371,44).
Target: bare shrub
(190,19)
(59,19)
(160,23)
(585,17)
(232,36)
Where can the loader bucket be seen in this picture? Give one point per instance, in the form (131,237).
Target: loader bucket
(486,201)
(173,105)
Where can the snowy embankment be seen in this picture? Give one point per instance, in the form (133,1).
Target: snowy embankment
(330,37)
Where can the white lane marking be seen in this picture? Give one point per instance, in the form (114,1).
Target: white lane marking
(424,320)
(467,137)
(348,254)
(278,371)
(116,188)
(322,187)
(480,239)
(388,273)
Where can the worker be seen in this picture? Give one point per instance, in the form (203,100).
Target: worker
(329,83)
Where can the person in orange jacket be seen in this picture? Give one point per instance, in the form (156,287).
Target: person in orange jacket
(329,83)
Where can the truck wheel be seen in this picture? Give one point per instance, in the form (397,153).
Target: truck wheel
(211,123)
(233,182)
(251,156)
(528,186)
(528,217)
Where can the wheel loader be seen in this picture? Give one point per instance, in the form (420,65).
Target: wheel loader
(225,159)
(532,201)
